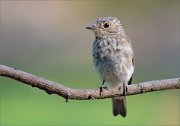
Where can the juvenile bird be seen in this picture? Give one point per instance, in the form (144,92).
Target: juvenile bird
(113,57)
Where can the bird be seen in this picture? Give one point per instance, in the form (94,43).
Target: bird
(113,58)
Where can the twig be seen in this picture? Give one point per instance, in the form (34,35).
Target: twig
(83,94)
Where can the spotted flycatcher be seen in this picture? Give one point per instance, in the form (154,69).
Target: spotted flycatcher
(113,57)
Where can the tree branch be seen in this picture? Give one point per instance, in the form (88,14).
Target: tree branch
(83,94)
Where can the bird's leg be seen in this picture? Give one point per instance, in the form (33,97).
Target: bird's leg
(100,90)
(102,87)
(103,83)
(124,89)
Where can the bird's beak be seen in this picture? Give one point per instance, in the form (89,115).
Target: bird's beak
(91,27)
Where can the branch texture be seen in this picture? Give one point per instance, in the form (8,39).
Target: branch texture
(83,94)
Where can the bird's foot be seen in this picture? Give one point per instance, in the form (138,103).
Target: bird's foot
(124,89)
(101,89)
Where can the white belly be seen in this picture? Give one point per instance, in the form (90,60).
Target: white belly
(114,66)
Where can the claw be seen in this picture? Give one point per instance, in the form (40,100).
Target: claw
(101,89)
(106,88)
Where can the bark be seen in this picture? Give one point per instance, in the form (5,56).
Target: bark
(84,94)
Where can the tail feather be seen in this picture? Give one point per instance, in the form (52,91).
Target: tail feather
(119,106)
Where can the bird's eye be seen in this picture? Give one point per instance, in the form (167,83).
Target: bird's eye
(106,25)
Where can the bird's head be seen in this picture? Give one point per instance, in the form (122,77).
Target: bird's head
(106,26)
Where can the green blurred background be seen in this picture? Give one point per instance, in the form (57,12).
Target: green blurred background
(49,39)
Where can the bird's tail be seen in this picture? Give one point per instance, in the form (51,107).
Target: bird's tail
(119,106)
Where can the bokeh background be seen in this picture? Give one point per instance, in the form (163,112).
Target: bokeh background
(49,39)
